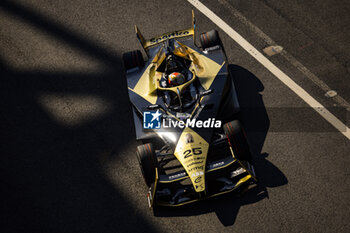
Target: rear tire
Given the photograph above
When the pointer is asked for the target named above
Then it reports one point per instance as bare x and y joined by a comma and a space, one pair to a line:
237, 140
148, 162
210, 39
133, 59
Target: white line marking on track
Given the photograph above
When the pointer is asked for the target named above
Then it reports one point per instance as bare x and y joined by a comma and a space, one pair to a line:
311, 76
319, 108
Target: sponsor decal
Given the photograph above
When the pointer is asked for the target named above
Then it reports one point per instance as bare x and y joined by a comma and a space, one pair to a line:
238, 172
198, 179
189, 138
177, 175
217, 164
211, 49
194, 151
182, 115
196, 160
197, 174
195, 168
169, 36
194, 163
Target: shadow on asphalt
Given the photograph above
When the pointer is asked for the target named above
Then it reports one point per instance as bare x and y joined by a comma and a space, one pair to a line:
256, 122
50, 173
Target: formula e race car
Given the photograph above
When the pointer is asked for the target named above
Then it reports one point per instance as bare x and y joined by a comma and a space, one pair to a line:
185, 109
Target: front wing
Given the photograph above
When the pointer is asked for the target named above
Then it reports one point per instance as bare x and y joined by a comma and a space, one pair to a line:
222, 176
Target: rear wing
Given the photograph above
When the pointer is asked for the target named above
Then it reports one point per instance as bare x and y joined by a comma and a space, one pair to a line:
176, 34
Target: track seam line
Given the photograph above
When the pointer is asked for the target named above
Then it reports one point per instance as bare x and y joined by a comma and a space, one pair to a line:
312, 102
316, 80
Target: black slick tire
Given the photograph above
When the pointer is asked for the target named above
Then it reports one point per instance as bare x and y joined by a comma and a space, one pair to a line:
237, 140
148, 162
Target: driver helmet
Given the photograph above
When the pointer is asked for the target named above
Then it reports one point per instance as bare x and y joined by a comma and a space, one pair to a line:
176, 79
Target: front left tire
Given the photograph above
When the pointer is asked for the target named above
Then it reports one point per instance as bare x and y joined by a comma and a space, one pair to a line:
148, 162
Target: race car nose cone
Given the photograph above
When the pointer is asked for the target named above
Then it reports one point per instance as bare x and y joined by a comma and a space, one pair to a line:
192, 151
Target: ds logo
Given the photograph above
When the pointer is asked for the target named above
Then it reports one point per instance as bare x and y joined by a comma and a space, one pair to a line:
151, 120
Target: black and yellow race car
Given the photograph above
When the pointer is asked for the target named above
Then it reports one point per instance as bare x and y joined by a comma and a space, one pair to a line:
185, 110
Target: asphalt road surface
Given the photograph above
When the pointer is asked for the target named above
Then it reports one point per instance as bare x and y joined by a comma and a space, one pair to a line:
67, 154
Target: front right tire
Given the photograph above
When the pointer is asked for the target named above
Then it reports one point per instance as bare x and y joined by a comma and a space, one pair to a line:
237, 140
209, 39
